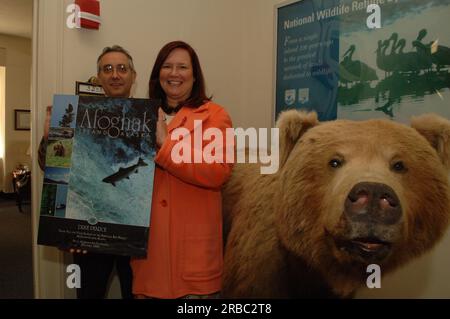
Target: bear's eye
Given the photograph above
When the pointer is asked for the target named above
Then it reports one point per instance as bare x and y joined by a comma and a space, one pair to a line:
399, 167
335, 163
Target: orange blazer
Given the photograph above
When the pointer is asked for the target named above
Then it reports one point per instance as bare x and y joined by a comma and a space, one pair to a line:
184, 254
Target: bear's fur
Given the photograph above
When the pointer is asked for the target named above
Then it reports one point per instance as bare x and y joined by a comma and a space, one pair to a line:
347, 194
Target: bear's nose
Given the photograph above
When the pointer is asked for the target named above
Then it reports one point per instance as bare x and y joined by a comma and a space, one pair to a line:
373, 202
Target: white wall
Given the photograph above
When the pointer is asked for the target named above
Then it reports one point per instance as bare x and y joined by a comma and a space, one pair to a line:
234, 40
425, 277
17, 55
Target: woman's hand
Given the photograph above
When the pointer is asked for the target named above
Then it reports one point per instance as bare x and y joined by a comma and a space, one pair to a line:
161, 128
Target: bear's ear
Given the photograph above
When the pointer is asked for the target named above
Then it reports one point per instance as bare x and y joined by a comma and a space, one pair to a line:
293, 124
436, 130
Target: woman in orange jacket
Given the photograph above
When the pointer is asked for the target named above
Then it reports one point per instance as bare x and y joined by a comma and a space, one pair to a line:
184, 256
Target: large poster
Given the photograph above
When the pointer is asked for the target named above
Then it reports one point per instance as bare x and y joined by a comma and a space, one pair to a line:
363, 59
99, 174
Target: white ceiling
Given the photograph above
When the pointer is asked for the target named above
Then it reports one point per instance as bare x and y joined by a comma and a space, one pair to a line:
16, 17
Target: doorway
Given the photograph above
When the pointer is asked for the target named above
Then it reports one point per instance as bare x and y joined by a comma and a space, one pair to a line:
16, 265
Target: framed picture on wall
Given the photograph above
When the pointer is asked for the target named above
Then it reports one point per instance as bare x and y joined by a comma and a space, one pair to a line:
22, 120
86, 88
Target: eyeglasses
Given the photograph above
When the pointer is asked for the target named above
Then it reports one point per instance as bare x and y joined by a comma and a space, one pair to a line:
120, 68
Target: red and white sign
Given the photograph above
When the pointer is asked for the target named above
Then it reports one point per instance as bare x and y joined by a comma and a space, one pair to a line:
89, 14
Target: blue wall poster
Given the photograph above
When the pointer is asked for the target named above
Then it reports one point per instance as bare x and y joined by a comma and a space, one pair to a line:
345, 61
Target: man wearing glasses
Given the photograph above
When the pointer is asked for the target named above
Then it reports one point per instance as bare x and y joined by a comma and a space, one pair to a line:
116, 74
115, 71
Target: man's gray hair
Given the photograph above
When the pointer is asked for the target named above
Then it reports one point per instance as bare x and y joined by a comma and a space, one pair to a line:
115, 48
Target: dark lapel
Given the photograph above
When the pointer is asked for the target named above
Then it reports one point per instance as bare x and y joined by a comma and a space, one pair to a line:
186, 117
